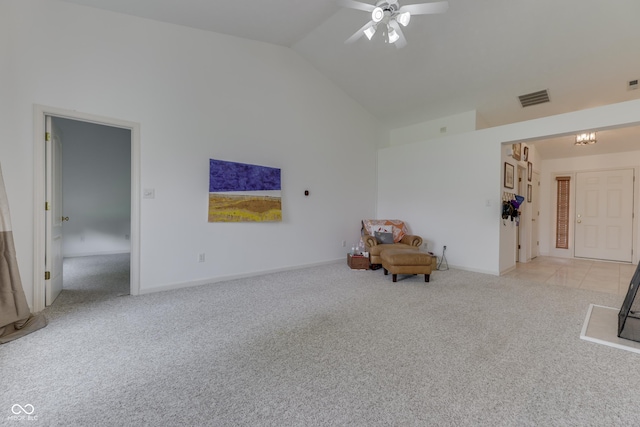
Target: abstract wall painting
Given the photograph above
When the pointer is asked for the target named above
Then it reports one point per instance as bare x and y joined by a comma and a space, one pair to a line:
240, 192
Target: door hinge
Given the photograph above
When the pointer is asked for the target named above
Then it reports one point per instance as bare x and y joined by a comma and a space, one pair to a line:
47, 136
47, 275
47, 206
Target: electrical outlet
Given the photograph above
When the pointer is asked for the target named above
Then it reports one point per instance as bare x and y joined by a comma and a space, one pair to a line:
344, 243
200, 257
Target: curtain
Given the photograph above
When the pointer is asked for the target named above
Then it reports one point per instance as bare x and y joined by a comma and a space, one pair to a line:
16, 319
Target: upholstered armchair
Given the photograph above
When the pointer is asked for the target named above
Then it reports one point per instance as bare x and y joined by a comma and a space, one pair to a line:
398, 229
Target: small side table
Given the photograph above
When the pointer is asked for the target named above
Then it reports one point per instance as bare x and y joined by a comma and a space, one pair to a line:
358, 262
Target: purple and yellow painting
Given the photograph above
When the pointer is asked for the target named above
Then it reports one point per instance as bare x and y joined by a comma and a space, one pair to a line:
240, 192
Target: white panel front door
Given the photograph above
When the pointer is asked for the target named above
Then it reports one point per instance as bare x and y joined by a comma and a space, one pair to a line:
604, 215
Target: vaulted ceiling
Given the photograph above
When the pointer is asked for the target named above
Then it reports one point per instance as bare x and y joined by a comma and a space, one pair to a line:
479, 55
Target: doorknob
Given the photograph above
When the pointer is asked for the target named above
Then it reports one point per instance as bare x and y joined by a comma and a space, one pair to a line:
579, 221
65, 218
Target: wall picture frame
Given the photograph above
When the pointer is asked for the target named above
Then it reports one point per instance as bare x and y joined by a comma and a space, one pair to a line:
529, 191
516, 151
529, 171
241, 192
509, 170
525, 154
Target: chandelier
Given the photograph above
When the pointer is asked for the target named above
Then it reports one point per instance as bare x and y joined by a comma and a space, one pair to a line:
586, 138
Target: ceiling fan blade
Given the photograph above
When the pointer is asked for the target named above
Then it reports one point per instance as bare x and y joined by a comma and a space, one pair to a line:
425, 8
352, 4
359, 33
402, 41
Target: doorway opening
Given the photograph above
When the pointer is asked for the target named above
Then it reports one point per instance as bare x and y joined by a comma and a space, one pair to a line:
97, 208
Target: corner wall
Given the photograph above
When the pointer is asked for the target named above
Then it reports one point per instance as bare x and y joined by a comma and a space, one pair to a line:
449, 189
196, 95
459, 123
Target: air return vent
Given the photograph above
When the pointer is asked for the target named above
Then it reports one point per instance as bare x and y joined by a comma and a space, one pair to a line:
534, 98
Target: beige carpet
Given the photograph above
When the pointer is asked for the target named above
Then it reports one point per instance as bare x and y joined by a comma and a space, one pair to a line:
322, 346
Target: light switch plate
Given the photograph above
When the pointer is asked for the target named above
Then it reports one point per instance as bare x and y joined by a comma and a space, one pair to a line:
149, 193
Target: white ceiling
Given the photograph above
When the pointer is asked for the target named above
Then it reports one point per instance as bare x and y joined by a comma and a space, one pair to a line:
479, 55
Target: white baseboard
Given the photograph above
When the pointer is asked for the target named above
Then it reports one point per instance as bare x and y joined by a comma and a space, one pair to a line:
473, 270
508, 270
211, 280
81, 254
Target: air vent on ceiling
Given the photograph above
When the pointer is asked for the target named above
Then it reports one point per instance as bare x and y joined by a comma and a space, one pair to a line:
534, 98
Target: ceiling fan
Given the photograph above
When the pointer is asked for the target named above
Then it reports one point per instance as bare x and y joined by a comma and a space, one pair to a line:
388, 15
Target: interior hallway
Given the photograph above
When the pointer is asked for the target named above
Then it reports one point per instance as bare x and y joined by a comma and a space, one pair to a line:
593, 275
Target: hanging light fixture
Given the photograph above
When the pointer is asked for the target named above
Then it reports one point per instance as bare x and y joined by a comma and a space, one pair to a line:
403, 18
586, 138
377, 14
369, 32
393, 35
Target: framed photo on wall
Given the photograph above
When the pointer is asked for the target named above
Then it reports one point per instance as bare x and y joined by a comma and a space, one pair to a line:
529, 171
516, 151
508, 175
525, 154
529, 191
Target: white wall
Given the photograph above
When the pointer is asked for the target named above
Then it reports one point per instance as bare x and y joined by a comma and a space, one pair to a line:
196, 95
458, 123
569, 167
510, 229
96, 187
449, 189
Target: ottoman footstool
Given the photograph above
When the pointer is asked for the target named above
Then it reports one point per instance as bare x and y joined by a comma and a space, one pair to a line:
402, 261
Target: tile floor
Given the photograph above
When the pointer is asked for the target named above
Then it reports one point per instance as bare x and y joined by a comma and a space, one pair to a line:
577, 273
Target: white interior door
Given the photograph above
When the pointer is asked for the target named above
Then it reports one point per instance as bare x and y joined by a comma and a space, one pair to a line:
520, 226
535, 214
604, 215
53, 235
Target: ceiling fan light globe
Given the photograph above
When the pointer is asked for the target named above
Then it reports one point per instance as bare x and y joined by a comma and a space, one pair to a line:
377, 14
404, 18
393, 36
369, 32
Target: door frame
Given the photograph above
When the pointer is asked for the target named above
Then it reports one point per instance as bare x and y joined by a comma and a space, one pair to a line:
39, 230
522, 239
534, 208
